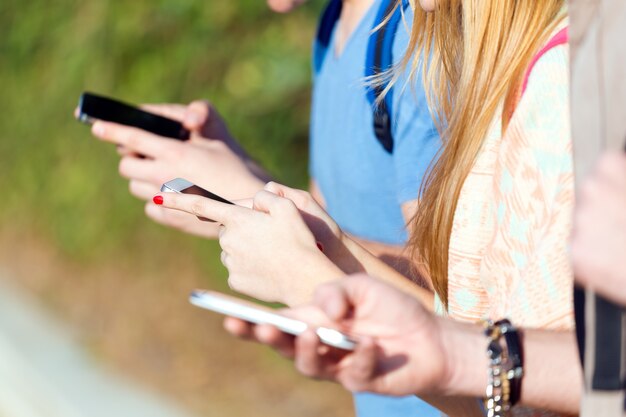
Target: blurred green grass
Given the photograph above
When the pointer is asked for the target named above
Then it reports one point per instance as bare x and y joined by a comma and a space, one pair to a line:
61, 185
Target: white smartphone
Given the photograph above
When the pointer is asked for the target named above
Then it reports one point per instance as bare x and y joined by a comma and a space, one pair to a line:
257, 314
181, 185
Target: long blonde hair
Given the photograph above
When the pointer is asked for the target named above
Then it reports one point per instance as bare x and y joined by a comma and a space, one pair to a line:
478, 53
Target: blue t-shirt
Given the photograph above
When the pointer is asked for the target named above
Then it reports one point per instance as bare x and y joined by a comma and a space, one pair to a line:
362, 184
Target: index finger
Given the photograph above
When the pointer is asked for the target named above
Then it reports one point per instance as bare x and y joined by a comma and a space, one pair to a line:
202, 207
137, 140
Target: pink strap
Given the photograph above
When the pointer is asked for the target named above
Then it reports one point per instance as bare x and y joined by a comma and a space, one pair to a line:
562, 37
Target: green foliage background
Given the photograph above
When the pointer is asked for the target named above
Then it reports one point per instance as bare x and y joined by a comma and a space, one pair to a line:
60, 184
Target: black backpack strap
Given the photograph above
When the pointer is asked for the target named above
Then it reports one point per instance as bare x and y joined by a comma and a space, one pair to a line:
380, 59
608, 366
324, 32
604, 358
579, 315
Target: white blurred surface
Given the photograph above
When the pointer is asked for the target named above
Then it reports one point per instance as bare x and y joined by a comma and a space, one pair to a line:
45, 373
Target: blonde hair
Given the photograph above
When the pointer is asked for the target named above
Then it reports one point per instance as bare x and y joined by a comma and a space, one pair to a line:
478, 52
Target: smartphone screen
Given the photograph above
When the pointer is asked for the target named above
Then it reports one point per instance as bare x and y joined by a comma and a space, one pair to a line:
194, 189
92, 107
181, 185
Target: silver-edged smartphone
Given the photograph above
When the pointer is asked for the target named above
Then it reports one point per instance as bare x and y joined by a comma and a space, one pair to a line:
257, 314
92, 107
182, 186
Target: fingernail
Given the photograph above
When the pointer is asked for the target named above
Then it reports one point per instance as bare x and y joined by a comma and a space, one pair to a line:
98, 129
320, 246
158, 200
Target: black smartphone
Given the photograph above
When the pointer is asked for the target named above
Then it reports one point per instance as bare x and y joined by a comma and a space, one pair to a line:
92, 107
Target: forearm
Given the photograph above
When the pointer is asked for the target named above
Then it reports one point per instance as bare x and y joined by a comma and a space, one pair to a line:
376, 267
386, 262
552, 378
313, 271
247, 182
553, 373
397, 257
259, 173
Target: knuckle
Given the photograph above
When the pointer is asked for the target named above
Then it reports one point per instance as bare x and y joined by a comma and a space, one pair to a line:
197, 207
350, 384
200, 107
234, 283
123, 168
226, 242
131, 139
270, 186
200, 103
133, 188
258, 196
284, 204
303, 368
157, 178
304, 194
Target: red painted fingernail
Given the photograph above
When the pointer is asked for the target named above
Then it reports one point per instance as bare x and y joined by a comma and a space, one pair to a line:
320, 246
158, 200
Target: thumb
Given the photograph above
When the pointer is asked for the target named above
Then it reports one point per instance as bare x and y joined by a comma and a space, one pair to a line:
333, 300
268, 202
245, 202
340, 298
197, 114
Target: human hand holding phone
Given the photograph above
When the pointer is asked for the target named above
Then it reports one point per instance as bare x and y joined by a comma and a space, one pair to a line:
93, 107
256, 314
402, 348
182, 186
263, 248
210, 158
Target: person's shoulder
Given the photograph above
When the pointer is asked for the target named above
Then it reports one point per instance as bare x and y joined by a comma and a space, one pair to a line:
550, 66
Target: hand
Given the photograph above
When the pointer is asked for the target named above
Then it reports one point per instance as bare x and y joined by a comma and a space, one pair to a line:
210, 156
269, 251
329, 237
400, 349
599, 239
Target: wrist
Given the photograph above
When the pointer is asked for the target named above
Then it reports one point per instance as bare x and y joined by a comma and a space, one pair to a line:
464, 346
257, 170
314, 269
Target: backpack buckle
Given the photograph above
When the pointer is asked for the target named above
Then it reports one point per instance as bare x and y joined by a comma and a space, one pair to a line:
382, 127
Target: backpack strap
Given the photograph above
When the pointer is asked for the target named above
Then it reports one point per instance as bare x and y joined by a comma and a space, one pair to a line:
325, 31
561, 38
379, 60
604, 354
